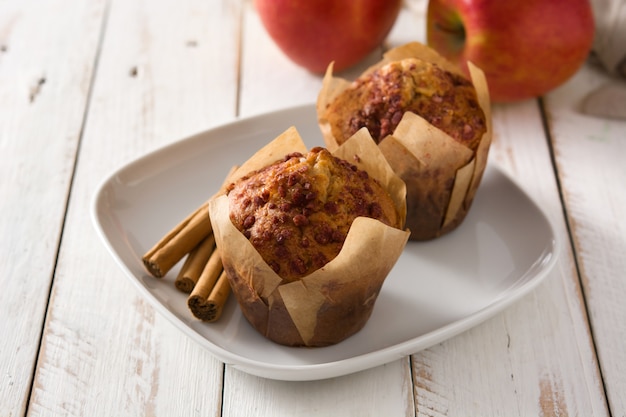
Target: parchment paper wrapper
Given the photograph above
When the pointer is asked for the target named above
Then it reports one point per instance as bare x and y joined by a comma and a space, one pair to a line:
441, 175
335, 301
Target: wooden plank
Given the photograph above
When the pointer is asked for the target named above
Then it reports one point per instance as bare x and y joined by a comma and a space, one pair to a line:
269, 82
535, 358
42, 53
105, 351
382, 391
589, 154
507, 365
458, 377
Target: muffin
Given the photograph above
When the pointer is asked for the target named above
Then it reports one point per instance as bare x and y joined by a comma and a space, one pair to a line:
378, 100
297, 211
431, 123
307, 240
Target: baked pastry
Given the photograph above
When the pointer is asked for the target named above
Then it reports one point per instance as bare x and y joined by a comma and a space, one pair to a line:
307, 242
297, 211
378, 100
431, 122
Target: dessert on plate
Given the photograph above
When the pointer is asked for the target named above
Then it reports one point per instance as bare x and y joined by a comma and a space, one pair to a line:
307, 237
432, 124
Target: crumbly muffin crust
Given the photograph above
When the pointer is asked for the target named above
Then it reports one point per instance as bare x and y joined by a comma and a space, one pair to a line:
297, 212
379, 99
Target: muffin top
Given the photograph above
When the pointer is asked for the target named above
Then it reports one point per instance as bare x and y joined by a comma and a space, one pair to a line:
379, 99
297, 211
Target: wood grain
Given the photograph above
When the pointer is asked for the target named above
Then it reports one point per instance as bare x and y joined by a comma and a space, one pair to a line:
589, 153
535, 358
105, 351
39, 135
381, 391
507, 365
384, 390
104, 82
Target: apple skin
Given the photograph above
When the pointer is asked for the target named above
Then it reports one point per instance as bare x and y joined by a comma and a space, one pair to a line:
525, 47
313, 33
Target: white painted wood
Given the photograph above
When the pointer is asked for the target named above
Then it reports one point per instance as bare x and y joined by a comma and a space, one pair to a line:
381, 391
535, 358
269, 82
167, 69
43, 100
590, 155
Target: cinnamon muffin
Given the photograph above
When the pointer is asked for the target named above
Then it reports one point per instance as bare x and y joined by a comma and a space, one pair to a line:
308, 240
378, 100
297, 212
432, 124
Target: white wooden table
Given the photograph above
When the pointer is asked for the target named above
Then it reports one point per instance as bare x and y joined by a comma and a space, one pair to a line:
87, 86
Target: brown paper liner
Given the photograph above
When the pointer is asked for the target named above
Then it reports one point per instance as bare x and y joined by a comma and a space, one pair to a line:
441, 175
335, 301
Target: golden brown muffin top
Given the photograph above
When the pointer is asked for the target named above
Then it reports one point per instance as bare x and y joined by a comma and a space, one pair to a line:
379, 99
297, 212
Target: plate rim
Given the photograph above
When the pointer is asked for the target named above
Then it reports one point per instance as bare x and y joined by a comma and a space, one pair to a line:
335, 368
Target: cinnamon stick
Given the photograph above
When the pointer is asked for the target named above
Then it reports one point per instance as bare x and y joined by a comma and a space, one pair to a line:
194, 264
211, 275
181, 240
209, 308
217, 299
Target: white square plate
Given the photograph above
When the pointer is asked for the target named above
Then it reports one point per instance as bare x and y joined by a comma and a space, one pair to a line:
505, 247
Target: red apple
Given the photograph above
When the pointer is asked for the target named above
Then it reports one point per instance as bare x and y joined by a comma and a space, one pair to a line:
525, 47
312, 33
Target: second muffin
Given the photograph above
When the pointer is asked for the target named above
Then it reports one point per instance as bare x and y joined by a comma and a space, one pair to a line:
431, 123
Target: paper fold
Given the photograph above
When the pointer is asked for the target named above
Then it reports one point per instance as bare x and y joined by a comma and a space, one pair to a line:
441, 175
335, 301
